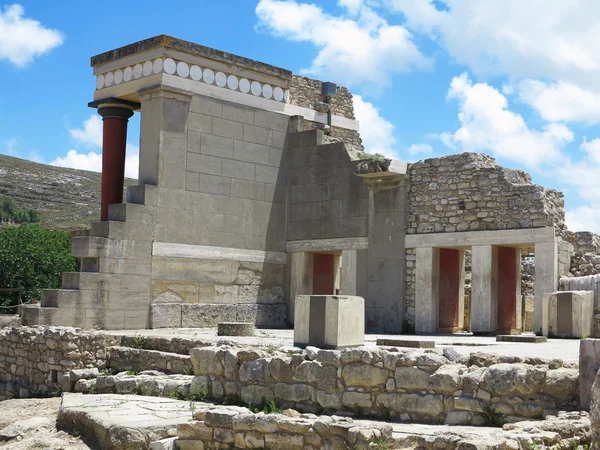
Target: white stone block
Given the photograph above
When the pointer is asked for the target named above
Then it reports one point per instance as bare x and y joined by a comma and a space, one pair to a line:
326, 321
570, 313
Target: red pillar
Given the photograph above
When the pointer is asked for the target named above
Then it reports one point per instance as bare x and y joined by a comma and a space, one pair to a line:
114, 142
507, 289
449, 290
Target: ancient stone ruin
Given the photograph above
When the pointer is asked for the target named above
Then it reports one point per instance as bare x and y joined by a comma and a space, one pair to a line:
257, 208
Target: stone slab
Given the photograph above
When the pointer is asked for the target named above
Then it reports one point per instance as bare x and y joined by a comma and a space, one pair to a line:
115, 420
532, 339
406, 343
235, 329
589, 364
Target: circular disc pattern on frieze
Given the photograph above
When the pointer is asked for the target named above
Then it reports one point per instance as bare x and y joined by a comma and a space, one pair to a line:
184, 70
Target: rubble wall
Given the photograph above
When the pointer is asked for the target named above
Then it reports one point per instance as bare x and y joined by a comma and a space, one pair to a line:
471, 191
406, 385
32, 360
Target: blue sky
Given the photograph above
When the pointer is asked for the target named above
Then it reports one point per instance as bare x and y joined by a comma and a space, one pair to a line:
517, 80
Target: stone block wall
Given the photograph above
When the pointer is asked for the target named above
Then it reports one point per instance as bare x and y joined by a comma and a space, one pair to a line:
471, 191
235, 427
406, 385
588, 283
325, 198
33, 359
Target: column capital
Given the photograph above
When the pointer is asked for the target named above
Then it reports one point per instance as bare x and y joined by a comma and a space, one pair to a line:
115, 108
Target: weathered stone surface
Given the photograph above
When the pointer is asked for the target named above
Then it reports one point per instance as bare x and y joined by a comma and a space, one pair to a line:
589, 363
411, 378
148, 418
21, 427
206, 361
364, 375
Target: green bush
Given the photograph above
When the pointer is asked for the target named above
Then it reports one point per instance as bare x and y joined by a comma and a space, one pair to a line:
33, 258
10, 213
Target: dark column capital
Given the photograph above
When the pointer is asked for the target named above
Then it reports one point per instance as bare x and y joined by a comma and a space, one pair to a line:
115, 108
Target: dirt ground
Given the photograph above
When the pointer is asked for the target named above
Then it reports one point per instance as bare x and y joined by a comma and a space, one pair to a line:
45, 436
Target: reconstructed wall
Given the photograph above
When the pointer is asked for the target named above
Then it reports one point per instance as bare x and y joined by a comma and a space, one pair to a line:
220, 185
32, 360
409, 385
472, 192
325, 198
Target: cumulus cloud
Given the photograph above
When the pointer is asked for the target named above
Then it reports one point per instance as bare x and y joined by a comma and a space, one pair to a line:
488, 125
561, 101
376, 132
22, 39
90, 135
365, 49
10, 147
92, 161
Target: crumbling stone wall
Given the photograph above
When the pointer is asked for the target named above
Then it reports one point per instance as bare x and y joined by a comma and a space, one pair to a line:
306, 92
229, 426
471, 191
585, 258
32, 360
405, 384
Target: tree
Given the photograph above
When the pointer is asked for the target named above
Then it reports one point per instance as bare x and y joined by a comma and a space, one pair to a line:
34, 258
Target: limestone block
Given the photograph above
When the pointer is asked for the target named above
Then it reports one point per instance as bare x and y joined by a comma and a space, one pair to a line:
329, 321
411, 378
165, 315
206, 315
293, 392
235, 329
589, 363
206, 361
354, 399
255, 394
447, 379
364, 375
570, 313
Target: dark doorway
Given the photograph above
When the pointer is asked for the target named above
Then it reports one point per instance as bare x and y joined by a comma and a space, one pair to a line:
323, 273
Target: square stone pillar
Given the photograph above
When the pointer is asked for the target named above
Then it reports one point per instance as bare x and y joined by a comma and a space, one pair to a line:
354, 272
451, 290
300, 279
509, 290
546, 280
484, 288
427, 290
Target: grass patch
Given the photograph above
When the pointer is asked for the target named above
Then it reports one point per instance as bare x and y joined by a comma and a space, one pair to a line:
491, 417
137, 341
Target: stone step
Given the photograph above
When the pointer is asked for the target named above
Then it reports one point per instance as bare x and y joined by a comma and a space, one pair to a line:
130, 212
91, 281
123, 359
111, 229
167, 344
143, 194
101, 247
36, 315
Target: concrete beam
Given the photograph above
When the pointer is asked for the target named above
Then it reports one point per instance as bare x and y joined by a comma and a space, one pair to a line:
515, 238
484, 288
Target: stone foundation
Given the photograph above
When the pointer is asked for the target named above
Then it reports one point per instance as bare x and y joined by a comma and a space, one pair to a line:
406, 385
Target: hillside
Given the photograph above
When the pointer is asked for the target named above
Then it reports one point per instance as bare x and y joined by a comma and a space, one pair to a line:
64, 198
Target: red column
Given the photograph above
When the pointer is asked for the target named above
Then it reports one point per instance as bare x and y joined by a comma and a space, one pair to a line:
323, 274
114, 142
507, 289
449, 290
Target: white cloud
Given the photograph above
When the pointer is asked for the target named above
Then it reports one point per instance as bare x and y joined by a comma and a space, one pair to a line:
421, 15
92, 161
22, 39
91, 134
376, 132
488, 125
583, 218
561, 101
352, 51
420, 149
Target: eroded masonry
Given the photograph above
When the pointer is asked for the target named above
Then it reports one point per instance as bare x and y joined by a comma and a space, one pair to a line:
254, 189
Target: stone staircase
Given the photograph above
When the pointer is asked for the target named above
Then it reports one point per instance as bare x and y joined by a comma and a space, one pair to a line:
112, 290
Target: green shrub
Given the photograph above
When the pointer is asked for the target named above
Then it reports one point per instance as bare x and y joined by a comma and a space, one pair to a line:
34, 258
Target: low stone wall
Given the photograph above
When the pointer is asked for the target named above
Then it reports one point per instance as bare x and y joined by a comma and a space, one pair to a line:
235, 427
403, 384
33, 359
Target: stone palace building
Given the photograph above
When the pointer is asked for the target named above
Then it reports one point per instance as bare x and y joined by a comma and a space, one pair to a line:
254, 188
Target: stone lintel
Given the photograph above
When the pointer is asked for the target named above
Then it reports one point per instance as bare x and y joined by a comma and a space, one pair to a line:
115, 102
524, 237
324, 245
169, 42
166, 249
